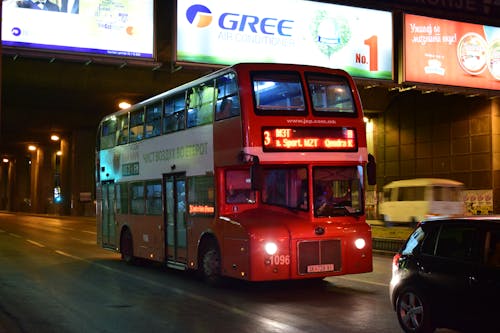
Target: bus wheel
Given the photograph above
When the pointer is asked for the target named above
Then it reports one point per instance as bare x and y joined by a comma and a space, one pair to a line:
127, 247
211, 264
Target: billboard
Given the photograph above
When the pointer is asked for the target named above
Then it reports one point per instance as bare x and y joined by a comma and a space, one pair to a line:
225, 32
451, 53
120, 28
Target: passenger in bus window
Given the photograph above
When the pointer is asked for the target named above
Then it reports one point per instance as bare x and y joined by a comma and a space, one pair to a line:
225, 109
38, 4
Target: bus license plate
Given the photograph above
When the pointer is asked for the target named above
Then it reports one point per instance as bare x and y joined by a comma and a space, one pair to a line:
320, 268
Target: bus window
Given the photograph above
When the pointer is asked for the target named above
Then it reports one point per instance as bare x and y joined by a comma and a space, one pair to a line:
122, 198
153, 198
153, 120
173, 115
238, 187
122, 136
201, 198
136, 125
137, 198
286, 187
108, 132
278, 92
228, 102
201, 105
331, 94
337, 191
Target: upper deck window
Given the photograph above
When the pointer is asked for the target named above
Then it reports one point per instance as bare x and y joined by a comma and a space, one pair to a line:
173, 115
108, 133
278, 93
228, 102
153, 120
331, 95
136, 125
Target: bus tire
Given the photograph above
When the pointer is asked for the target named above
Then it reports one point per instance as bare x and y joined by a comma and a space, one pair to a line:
210, 264
127, 246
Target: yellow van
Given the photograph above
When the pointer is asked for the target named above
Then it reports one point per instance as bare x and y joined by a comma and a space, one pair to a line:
412, 200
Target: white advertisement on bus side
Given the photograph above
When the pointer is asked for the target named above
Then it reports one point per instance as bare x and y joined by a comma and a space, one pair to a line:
225, 32
184, 151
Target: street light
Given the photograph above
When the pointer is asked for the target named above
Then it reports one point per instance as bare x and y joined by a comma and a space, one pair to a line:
32, 148
124, 105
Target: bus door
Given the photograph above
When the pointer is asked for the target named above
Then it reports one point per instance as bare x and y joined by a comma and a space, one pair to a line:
108, 215
174, 203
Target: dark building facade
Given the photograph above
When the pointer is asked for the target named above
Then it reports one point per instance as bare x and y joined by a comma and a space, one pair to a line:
414, 130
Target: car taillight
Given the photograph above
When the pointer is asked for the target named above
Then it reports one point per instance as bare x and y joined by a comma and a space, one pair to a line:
395, 260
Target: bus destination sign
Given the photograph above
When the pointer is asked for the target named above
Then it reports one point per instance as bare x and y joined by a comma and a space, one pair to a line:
309, 139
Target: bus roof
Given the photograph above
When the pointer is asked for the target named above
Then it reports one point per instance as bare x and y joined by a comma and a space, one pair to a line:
424, 182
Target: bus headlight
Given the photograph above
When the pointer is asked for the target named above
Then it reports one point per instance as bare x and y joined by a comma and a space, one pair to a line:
271, 248
360, 243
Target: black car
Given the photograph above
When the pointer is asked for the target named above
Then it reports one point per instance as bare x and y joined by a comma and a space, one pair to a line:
447, 275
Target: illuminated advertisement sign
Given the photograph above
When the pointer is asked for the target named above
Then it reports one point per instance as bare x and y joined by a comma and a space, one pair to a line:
120, 28
451, 53
226, 32
309, 139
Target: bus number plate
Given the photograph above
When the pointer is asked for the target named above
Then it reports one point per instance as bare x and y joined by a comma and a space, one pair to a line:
320, 268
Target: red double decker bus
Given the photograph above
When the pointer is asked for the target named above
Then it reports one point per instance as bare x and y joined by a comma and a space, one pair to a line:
255, 172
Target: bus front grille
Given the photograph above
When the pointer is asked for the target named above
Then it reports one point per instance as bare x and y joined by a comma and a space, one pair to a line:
319, 256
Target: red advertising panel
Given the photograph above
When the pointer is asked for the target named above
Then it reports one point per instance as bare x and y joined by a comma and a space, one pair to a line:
451, 53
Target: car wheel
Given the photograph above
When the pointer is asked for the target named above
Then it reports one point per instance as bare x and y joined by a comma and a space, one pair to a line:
413, 312
211, 264
387, 221
127, 247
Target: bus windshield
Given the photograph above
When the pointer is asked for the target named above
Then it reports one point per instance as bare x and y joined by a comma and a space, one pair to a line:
330, 94
337, 191
286, 187
278, 92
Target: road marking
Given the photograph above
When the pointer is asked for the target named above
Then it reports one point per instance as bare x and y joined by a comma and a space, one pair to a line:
275, 325
15, 235
35, 243
90, 232
70, 256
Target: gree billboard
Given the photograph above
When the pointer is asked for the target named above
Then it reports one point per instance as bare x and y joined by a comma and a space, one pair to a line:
225, 32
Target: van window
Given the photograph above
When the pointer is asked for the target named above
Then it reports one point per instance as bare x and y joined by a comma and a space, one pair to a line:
412, 193
441, 193
387, 194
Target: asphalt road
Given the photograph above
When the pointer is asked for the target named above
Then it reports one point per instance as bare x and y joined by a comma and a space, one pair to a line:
54, 278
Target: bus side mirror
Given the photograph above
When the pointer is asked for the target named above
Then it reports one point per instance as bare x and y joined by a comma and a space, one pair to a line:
256, 174
371, 170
